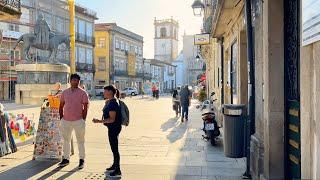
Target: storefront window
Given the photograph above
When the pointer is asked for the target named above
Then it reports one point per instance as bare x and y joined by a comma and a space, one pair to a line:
58, 77
21, 78
36, 78
233, 73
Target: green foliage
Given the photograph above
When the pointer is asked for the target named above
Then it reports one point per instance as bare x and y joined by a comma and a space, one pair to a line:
202, 95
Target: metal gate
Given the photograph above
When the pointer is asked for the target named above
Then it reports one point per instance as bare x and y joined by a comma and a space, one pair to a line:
292, 89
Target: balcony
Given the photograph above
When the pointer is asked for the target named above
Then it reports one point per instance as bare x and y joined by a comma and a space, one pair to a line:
84, 67
121, 73
139, 75
10, 9
85, 39
147, 76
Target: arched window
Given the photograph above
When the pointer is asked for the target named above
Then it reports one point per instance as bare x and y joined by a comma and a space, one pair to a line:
163, 32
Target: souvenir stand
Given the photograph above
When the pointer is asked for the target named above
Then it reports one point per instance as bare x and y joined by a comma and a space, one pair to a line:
48, 144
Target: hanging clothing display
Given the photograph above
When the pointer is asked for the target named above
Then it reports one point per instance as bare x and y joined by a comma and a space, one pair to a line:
7, 143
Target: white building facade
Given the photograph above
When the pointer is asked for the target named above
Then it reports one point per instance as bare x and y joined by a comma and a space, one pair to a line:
166, 39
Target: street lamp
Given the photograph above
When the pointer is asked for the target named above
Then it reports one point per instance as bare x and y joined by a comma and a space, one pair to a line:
198, 7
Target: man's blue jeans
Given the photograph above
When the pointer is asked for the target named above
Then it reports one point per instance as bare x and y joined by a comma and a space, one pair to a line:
185, 111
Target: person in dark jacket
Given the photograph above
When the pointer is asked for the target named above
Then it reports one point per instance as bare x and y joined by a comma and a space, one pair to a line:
112, 119
185, 98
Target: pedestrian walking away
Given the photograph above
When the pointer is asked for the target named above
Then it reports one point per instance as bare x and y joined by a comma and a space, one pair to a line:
74, 103
112, 119
185, 98
176, 102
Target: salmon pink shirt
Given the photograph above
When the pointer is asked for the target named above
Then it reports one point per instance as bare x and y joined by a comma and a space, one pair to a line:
74, 100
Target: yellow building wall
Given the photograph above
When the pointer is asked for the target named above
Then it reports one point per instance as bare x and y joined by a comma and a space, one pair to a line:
102, 52
132, 64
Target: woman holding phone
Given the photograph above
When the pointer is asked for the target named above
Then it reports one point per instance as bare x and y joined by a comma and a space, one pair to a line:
112, 119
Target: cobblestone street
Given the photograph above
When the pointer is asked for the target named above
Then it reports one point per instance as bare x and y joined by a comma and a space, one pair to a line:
154, 146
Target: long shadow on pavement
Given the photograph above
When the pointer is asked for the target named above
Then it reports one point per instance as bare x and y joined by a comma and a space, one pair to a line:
68, 174
26, 170
54, 171
169, 124
177, 133
176, 127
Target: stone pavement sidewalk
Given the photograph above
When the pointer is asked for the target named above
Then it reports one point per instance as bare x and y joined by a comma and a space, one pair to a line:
154, 146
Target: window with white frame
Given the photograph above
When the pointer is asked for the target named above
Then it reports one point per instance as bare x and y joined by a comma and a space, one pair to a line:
127, 47
82, 28
82, 55
122, 45
136, 49
89, 31
102, 42
117, 44
89, 56
77, 54
140, 51
60, 25
102, 64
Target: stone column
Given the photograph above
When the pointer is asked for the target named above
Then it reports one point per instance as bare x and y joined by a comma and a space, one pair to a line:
273, 57
306, 89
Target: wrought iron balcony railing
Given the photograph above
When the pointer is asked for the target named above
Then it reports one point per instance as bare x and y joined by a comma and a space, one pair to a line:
121, 73
10, 8
147, 76
84, 67
85, 38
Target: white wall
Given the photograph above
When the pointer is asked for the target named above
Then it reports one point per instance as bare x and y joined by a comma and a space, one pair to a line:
310, 112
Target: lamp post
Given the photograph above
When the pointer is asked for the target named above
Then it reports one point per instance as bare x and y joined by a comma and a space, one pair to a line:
197, 58
198, 7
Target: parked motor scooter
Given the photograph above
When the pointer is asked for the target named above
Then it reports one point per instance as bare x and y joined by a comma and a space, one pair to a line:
210, 124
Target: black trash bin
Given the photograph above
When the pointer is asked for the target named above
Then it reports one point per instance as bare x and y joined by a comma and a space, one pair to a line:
233, 130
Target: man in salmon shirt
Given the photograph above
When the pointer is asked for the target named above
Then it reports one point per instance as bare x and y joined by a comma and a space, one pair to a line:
73, 110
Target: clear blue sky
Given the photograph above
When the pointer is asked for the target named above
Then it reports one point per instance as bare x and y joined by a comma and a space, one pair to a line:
138, 16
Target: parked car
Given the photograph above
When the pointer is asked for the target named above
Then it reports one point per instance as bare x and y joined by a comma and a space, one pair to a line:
130, 91
99, 90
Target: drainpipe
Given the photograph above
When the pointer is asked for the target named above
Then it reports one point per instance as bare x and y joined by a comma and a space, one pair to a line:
221, 69
251, 84
72, 36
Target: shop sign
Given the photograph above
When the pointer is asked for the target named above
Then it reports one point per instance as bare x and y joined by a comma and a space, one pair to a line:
201, 39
